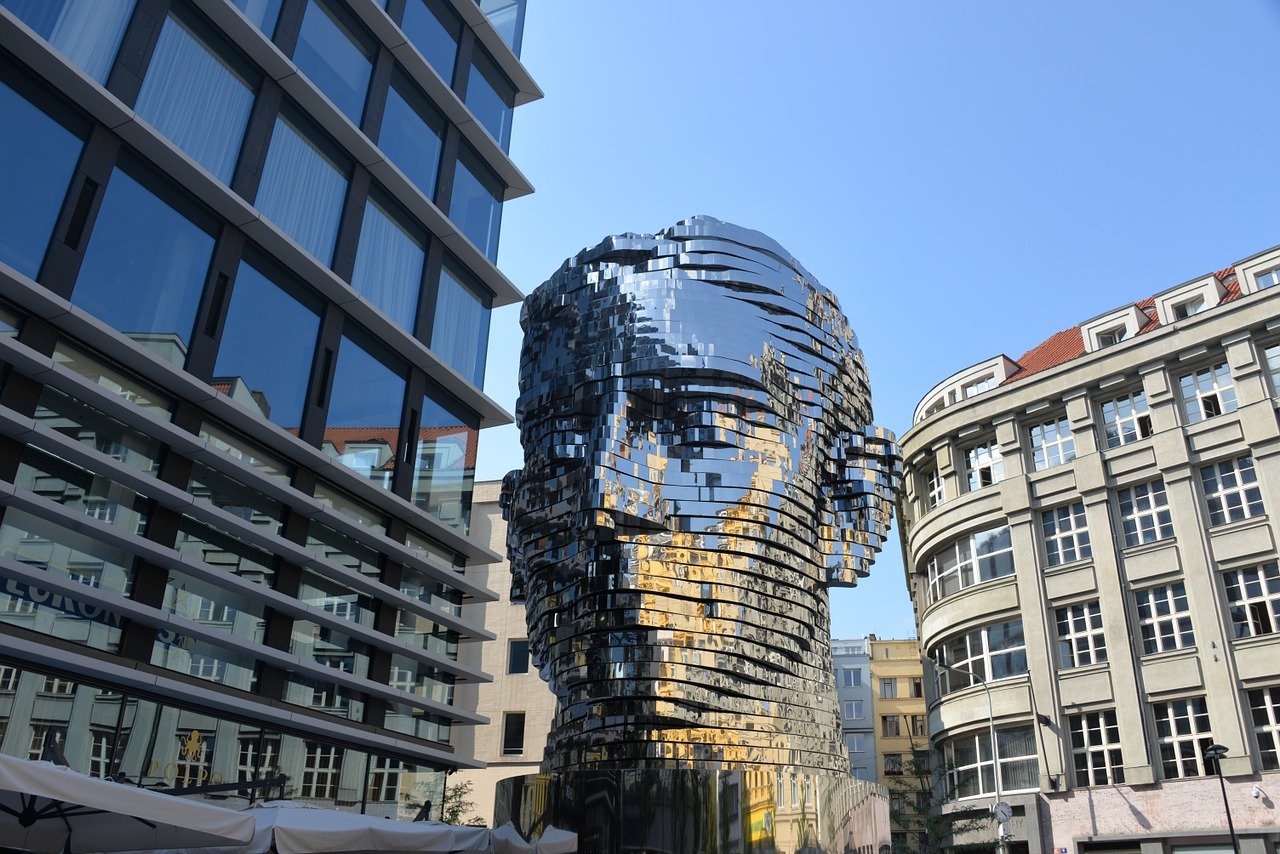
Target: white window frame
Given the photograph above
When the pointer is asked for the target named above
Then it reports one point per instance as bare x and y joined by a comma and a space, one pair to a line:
1126, 419
1066, 534
1271, 358
101, 744
384, 779
936, 488
984, 464
1144, 513
981, 771
208, 667
963, 562
39, 729
321, 771
1264, 705
1183, 732
1095, 749
980, 658
853, 710
8, 678
248, 761
1052, 444
856, 742
1231, 490
57, 685
1081, 638
1253, 599
1164, 618
851, 677
1207, 393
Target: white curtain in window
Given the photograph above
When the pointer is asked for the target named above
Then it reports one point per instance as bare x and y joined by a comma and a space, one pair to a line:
302, 191
89, 31
195, 99
461, 328
388, 269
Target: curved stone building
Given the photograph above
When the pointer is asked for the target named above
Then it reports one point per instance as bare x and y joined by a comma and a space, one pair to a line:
700, 467
1088, 529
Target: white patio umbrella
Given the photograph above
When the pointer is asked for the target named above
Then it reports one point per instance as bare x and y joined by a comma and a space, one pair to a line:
295, 828
48, 808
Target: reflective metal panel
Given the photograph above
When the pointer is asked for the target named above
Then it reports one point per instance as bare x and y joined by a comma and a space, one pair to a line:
700, 466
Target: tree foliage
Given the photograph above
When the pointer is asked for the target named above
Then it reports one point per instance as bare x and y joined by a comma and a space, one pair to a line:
918, 798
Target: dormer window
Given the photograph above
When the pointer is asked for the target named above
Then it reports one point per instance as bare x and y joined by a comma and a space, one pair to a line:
1113, 327
1115, 335
1183, 310
1269, 278
1189, 300
980, 385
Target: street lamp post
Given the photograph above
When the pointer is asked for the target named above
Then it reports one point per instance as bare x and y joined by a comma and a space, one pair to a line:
995, 753
1215, 752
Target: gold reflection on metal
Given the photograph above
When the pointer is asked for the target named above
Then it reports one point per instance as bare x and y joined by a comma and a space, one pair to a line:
700, 467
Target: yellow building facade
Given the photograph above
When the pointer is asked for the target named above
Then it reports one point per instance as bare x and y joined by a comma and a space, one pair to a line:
897, 685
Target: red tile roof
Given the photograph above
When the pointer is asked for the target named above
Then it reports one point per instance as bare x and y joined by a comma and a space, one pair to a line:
1062, 347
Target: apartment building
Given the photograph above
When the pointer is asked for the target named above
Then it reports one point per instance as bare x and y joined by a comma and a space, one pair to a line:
1090, 534
852, 662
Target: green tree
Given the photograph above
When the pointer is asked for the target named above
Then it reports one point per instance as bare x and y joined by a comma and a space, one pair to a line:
917, 801
457, 803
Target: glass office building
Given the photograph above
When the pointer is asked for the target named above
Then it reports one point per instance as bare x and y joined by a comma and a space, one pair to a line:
246, 269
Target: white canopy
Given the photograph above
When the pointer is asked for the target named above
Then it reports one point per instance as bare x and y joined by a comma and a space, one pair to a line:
507, 840
302, 829
39, 801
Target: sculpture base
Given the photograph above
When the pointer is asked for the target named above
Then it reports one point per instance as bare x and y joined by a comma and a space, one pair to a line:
761, 811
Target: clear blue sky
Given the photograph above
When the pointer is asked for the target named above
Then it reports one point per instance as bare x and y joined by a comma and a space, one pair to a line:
968, 177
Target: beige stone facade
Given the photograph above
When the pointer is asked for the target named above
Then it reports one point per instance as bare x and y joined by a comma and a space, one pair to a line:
509, 693
1092, 528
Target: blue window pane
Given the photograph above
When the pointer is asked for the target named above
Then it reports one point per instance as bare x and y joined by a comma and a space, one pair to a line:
412, 136
302, 190
196, 99
507, 17
268, 343
445, 466
491, 98
144, 269
261, 13
388, 269
37, 160
87, 32
333, 54
460, 330
476, 206
365, 405
433, 28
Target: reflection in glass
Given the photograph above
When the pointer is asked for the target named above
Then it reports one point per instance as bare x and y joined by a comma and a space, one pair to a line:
87, 32
363, 430
302, 190
268, 342
196, 99
117, 382
433, 28
144, 269
261, 13
491, 97
412, 135
507, 17
332, 53
388, 270
476, 205
37, 159
460, 329
445, 465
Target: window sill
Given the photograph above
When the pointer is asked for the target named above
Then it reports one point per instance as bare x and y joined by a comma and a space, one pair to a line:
1168, 654
1144, 548
1083, 669
1256, 640
1238, 525
1072, 566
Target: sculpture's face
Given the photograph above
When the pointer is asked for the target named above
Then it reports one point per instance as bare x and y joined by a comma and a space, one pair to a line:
696, 474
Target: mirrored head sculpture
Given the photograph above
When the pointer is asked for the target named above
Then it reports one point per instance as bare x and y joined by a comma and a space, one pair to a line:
700, 467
